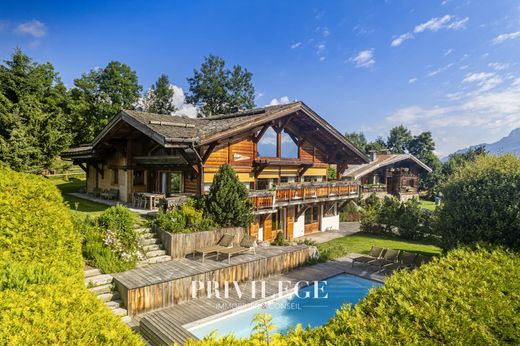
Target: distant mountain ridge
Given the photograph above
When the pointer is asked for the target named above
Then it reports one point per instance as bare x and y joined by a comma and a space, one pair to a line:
508, 144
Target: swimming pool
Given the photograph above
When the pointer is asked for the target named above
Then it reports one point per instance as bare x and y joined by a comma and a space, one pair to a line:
288, 311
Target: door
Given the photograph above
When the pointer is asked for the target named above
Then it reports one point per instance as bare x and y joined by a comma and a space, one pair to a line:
261, 230
171, 183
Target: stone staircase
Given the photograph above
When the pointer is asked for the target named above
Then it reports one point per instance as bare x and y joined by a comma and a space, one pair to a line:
103, 287
151, 249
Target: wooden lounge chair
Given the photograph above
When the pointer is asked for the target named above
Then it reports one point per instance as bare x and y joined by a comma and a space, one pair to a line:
247, 243
225, 241
406, 261
375, 253
389, 257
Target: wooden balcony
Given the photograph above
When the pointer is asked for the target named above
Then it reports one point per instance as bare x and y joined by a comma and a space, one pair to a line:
301, 193
371, 188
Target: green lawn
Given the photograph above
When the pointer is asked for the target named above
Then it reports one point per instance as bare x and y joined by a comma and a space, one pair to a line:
78, 206
362, 242
427, 204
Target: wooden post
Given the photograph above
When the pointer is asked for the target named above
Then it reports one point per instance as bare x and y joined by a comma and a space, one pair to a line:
279, 143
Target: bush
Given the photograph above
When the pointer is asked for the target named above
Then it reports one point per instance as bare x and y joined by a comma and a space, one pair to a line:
482, 203
279, 240
228, 200
185, 218
465, 298
43, 299
350, 213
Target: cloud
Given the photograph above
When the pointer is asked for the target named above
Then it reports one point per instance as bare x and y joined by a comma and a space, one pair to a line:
448, 51
498, 66
447, 22
399, 40
296, 45
179, 100
412, 80
506, 37
485, 80
365, 58
485, 115
325, 32
280, 101
322, 58
320, 49
34, 28
439, 70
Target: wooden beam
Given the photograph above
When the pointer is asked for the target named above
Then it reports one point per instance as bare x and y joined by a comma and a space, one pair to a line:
259, 169
294, 138
84, 168
99, 170
302, 170
260, 134
185, 156
282, 123
279, 144
208, 152
300, 210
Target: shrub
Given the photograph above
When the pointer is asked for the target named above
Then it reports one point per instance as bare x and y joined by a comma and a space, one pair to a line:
117, 224
228, 200
465, 298
279, 240
185, 218
350, 213
482, 203
43, 299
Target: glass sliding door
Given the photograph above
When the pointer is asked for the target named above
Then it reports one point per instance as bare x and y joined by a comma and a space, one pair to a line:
171, 183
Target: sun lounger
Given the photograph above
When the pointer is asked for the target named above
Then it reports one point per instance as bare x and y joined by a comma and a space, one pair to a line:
406, 261
389, 257
245, 245
225, 242
375, 253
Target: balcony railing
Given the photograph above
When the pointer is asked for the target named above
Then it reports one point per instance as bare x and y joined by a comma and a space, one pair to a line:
298, 192
373, 188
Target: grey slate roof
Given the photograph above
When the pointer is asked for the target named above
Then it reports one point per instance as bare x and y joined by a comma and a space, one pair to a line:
357, 171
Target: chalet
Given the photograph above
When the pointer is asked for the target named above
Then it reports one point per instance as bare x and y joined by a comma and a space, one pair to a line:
388, 174
280, 153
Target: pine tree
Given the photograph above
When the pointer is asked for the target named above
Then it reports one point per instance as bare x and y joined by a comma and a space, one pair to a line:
161, 94
228, 199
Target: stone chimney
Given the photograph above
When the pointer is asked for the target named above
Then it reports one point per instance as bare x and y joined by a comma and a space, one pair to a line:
372, 154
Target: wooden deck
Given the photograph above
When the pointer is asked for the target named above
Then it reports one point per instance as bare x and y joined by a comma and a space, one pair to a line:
168, 283
168, 326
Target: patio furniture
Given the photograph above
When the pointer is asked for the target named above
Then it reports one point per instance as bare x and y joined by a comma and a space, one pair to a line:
225, 241
421, 259
390, 256
375, 253
96, 192
406, 261
113, 194
247, 243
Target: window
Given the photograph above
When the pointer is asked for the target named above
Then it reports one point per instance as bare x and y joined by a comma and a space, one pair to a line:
138, 178
313, 178
267, 144
115, 176
311, 215
265, 184
276, 220
289, 148
287, 179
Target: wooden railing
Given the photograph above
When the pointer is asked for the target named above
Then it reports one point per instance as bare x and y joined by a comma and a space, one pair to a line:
373, 188
302, 192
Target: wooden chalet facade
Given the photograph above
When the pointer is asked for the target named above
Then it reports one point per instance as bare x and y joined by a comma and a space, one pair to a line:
177, 155
388, 174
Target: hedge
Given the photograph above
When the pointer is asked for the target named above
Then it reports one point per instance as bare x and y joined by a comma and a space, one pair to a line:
43, 299
469, 297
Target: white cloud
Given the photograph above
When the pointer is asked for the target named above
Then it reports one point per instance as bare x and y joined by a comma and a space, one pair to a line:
296, 45
439, 70
485, 115
34, 28
364, 58
448, 51
506, 37
178, 100
412, 80
485, 80
280, 101
447, 22
320, 49
498, 66
399, 40
325, 32
322, 58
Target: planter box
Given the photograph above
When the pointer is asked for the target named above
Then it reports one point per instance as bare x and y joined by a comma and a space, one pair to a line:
178, 245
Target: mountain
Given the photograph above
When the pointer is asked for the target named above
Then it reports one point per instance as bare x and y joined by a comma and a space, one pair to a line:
508, 144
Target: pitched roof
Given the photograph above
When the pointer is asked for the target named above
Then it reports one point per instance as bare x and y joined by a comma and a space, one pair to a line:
357, 171
170, 129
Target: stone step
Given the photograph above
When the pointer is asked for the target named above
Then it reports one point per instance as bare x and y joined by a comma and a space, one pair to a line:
159, 259
120, 312
114, 303
92, 272
152, 247
150, 241
126, 319
155, 253
112, 295
98, 290
146, 235
141, 230
98, 280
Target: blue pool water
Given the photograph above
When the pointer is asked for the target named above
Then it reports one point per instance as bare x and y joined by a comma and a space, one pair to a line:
288, 311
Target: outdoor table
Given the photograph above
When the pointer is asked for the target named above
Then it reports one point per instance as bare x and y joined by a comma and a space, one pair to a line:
151, 196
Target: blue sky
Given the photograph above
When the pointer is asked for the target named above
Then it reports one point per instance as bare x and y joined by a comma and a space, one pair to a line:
451, 67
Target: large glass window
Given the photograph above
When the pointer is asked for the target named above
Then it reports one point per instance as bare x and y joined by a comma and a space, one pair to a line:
267, 144
289, 148
311, 215
138, 177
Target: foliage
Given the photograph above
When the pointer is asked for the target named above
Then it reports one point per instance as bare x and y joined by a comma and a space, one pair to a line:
331, 173
263, 327
399, 139
32, 114
378, 145
185, 218
228, 200
404, 219
350, 213
358, 139
118, 225
159, 98
482, 203
98, 96
279, 240
43, 299
466, 297
218, 90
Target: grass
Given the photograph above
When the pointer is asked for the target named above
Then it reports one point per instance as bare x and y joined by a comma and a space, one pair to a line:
78, 206
427, 204
362, 242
